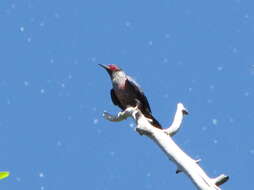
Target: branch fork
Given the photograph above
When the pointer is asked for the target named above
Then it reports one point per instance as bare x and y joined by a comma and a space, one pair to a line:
163, 138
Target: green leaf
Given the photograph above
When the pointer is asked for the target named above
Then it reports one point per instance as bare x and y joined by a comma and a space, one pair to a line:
4, 174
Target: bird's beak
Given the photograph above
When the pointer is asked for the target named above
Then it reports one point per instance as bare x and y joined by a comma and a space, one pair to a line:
104, 66
107, 69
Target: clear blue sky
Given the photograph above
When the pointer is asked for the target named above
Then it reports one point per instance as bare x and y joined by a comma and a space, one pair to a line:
52, 93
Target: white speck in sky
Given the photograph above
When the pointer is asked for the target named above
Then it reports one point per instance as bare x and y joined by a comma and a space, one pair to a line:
149, 174
69, 76
251, 151
214, 121
8, 101
246, 16
127, 23
56, 15
63, 85
167, 36
52, 60
131, 125
190, 89
215, 141
93, 59
150, 43
95, 121
42, 24
112, 153
219, 68
13, 6
193, 81
165, 60
42, 91
246, 94
29, 39
18, 179
209, 101
42, 188
26, 83
21, 29
234, 50
204, 128
211, 87
231, 120
41, 175
59, 143
69, 118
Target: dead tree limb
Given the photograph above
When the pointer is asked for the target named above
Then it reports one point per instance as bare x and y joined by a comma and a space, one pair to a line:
163, 138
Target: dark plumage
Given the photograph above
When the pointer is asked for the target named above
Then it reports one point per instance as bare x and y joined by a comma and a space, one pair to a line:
126, 92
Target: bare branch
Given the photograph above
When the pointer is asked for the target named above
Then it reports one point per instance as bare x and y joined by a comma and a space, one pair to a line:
163, 139
120, 116
175, 126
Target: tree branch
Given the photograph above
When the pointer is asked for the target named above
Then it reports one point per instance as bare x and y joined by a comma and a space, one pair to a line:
176, 125
120, 116
163, 139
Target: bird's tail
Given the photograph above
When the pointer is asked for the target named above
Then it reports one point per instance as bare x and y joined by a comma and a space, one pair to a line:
147, 113
154, 122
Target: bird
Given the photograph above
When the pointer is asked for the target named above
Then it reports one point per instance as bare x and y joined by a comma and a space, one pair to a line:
126, 92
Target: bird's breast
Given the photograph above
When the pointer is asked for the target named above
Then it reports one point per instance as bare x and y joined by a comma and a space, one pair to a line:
125, 97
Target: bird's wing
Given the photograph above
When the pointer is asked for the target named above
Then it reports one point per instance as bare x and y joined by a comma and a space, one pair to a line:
115, 99
141, 96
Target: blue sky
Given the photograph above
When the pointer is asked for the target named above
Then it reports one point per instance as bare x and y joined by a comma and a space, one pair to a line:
53, 93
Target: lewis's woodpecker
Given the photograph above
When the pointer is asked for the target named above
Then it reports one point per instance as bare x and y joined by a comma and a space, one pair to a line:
126, 92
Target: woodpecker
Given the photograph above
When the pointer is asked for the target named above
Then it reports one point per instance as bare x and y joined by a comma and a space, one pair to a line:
126, 92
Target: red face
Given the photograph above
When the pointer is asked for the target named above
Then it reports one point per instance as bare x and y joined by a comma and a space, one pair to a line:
113, 67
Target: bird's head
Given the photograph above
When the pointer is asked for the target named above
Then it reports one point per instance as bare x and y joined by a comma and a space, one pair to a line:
110, 68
